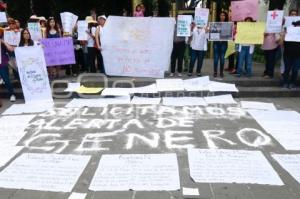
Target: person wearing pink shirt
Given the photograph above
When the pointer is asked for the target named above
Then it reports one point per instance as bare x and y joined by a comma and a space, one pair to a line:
138, 11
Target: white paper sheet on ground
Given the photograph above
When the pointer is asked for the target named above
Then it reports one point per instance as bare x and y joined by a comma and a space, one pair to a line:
197, 84
13, 129
222, 87
6, 154
231, 166
284, 126
17, 109
145, 172
220, 99
78, 103
44, 172
291, 163
72, 87
145, 89
116, 91
77, 196
169, 85
146, 100
118, 100
190, 191
258, 106
184, 101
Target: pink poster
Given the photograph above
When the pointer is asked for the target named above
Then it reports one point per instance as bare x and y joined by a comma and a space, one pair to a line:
243, 9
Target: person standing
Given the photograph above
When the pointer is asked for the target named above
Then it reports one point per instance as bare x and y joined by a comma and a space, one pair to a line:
91, 44
99, 31
220, 48
199, 47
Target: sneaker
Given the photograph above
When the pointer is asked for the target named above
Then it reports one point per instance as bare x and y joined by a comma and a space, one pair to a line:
215, 75
172, 75
12, 98
199, 74
189, 74
179, 75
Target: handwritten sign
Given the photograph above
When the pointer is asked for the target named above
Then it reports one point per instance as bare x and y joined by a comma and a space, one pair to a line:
293, 34
243, 9
12, 38
274, 21
184, 25
3, 18
33, 74
229, 166
130, 46
289, 20
68, 21
35, 31
58, 51
201, 16
145, 172
82, 28
246, 35
221, 31
44, 172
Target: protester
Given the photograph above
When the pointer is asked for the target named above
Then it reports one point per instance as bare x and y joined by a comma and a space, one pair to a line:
91, 43
291, 61
43, 23
199, 47
220, 48
99, 31
138, 11
26, 39
245, 56
4, 72
53, 31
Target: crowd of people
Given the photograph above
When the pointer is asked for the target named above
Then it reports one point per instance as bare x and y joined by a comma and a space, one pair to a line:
89, 58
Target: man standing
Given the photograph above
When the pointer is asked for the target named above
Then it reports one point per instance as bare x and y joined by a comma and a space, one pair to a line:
101, 22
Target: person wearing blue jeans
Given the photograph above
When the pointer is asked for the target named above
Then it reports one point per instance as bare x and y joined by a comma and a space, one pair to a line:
245, 56
220, 48
199, 56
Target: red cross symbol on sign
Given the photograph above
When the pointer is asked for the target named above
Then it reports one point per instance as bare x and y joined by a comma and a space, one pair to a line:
274, 15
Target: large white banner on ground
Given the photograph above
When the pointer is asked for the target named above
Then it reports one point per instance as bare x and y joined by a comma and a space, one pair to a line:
33, 74
137, 47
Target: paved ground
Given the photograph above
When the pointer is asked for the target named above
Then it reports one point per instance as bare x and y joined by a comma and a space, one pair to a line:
230, 119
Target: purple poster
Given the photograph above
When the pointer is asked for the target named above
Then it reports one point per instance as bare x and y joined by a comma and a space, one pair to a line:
58, 51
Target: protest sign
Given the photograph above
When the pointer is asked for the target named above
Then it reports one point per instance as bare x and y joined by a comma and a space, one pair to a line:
201, 16
274, 21
184, 25
35, 31
293, 34
33, 74
289, 20
59, 51
137, 47
3, 18
82, 28
230, 49
12, 38
221, 31
243, 9
247, 35
68, 21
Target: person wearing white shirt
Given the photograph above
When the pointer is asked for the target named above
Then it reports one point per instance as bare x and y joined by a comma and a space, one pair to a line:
199, 47
101, 23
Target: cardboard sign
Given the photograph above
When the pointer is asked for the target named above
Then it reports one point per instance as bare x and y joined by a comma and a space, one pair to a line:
243, 9
82, 27
221, 31
184, 25
201, 16
3, 18
35, 31
68, 21
12, 38
274, 21
247, 35
59, 51
293, 34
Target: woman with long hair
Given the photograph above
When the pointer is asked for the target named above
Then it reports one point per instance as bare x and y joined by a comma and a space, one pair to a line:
26, 38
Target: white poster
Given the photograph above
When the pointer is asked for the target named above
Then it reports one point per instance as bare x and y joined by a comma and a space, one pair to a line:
274, 21
12, 38
33, 74
137, 46
184, 25
288, 21
82, 27
291, 163
35, 31
68, 21
201, 16
145, 172
184, 101
169, 85
293, 34
231, 166
44, 172
3, 18
221, 31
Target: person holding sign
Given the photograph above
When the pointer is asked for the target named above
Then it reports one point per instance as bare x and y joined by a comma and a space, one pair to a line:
291, 61
26, 39
99, 31
199, 47
220, 48
245, 56
91, 43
